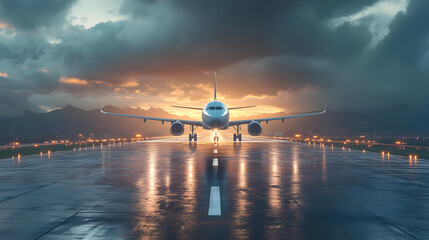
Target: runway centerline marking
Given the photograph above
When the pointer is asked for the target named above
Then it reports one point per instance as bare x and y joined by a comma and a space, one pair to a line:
214, 205
215, 151
215, 162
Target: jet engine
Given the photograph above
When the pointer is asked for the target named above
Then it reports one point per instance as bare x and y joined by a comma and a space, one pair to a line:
254, 128
177, 128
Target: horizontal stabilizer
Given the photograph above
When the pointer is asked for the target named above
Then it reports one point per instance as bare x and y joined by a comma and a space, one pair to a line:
194, 108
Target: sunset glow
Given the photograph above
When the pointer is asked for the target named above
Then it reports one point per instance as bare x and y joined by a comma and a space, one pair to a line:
3, 25
73, 81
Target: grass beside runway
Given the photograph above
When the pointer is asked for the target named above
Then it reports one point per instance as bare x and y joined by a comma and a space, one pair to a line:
9, 152
406, 151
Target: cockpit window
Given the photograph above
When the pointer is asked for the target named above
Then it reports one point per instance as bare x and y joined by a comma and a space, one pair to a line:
214, 108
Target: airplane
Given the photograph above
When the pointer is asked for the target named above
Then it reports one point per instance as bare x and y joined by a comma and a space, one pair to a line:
215, 116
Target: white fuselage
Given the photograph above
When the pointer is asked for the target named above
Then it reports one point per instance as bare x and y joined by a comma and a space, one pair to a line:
215, 115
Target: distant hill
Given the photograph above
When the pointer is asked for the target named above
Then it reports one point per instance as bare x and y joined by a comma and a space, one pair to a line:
68, 122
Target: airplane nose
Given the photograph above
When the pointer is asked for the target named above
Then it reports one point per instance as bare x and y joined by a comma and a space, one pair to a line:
217, 122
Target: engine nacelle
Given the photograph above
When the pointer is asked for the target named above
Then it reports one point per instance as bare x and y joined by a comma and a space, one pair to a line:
254, 128
177, 128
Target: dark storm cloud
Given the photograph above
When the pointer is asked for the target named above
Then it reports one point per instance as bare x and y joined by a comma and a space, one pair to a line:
187, 37
258, 48
394, 73
30, 15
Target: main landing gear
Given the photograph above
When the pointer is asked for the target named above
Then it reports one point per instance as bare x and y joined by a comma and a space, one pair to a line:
237, 136
192, 135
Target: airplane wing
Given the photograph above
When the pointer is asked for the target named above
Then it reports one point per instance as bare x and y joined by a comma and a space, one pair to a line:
187, 122
232, 108
193, 108
234, 123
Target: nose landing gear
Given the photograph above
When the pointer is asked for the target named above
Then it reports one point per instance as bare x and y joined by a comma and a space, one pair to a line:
237, 136
192, 135
216, 137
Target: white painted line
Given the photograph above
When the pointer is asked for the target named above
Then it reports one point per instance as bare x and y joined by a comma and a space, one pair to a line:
215, 151
214, 205
215, 162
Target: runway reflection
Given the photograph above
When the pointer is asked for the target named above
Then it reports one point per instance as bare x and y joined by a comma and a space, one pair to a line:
268, 190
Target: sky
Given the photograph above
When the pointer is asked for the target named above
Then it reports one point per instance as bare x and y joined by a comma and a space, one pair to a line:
283, 56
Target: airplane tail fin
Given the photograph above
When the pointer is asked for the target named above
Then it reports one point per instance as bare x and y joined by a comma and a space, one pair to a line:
215, 98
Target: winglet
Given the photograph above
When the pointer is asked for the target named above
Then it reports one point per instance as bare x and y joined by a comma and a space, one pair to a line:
215, 98
101, 110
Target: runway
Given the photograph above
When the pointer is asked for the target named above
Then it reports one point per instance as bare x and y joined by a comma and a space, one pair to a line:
166, 189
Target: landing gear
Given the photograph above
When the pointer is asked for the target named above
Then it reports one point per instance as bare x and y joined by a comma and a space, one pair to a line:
192, 135
237, 136
216, 137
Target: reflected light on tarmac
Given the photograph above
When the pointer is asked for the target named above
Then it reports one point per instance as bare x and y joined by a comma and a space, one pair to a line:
269, 189
274, 192
324, 165
295, 184
148, 191
241, 204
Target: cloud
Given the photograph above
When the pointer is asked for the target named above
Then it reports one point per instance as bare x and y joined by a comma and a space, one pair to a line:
74, 81
30, 15
358, 53
377, 16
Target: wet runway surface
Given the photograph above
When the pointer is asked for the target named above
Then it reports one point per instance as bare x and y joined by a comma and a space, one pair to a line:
167, 189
